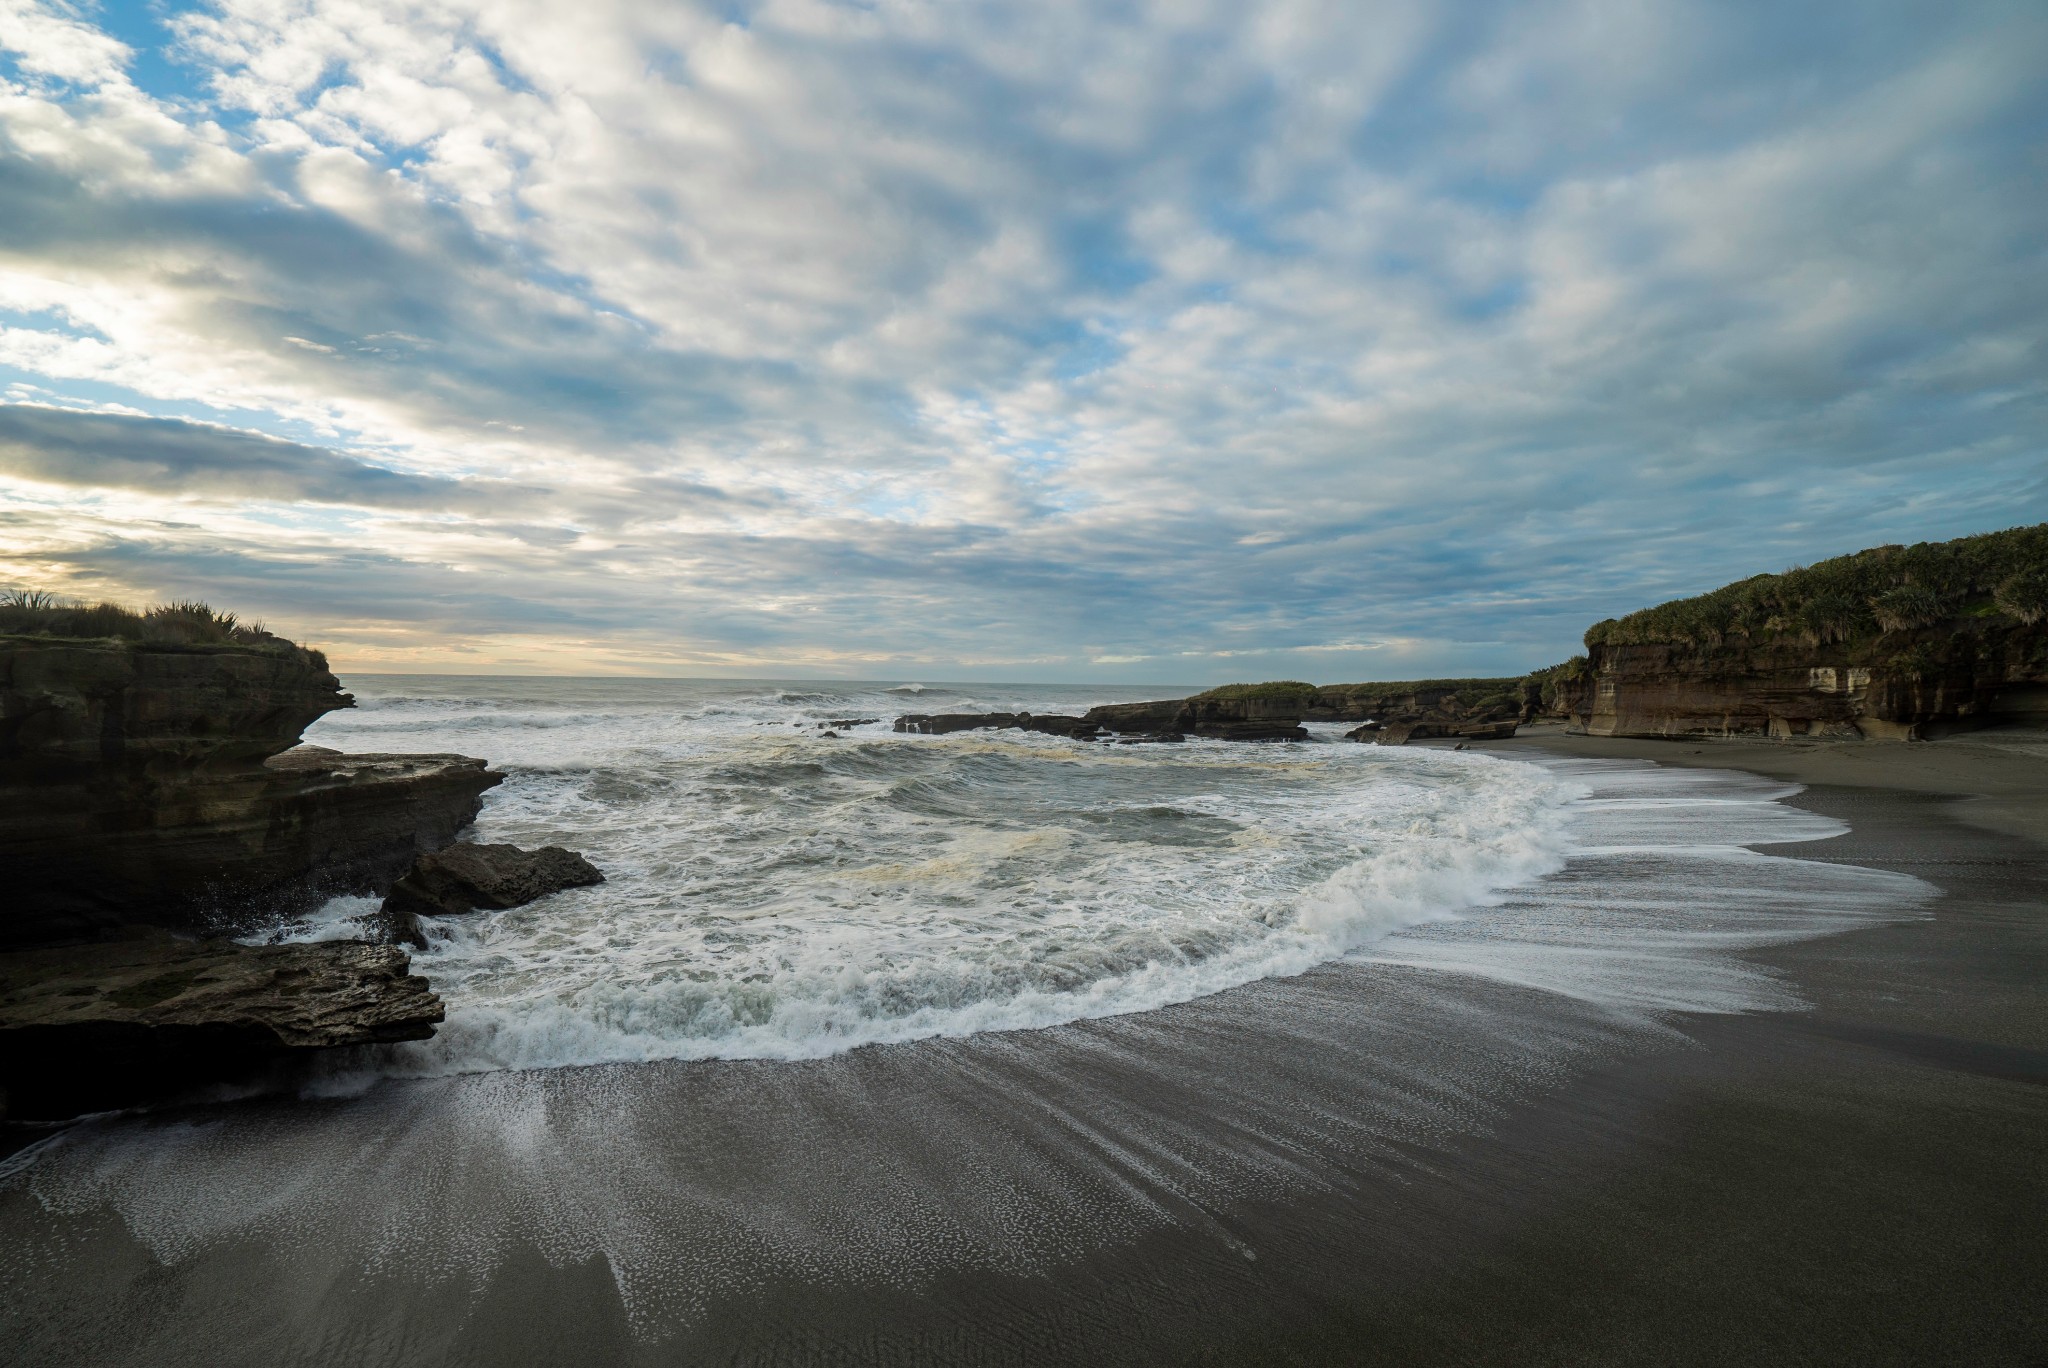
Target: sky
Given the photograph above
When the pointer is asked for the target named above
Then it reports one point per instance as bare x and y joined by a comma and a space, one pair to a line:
1124, 342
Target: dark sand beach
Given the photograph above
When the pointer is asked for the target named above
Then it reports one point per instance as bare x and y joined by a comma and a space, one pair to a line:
1860, 1183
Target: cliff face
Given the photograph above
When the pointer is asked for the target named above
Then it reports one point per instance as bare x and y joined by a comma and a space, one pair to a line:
1274, 711
1435, 701
1895, 686
146, 784
1887, 642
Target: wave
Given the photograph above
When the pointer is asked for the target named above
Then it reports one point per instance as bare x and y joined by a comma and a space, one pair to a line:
775, 895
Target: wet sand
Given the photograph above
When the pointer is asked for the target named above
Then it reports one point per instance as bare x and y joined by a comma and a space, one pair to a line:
1863, 1183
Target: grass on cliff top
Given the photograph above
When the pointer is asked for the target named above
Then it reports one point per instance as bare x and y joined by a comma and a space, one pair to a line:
1884, 589
33, 613
1273, 690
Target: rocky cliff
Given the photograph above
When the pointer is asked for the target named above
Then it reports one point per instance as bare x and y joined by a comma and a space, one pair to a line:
152, 793
154, 783
1892, 643
1275, 710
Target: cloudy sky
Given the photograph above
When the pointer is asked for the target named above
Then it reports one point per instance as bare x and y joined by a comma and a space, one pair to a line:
1160, 341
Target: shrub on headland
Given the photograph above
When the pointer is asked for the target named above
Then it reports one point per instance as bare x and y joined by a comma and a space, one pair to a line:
2024, 596
1272, 691
1885, 589
35, 613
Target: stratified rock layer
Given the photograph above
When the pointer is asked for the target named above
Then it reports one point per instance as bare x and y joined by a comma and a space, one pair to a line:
1894, 687
1222, 719
116, 1023
145, 784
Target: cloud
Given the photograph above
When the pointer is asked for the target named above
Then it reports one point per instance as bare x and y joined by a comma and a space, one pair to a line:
176, 456
1092, 334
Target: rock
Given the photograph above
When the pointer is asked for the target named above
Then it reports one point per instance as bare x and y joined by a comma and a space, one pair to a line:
118, 1023
467, 876
1166, 715
828, 736
1400, 731
1449, 700
850, 722
1889, 643
146, 784
942, 724
1897, 687
1219, 718
1252, 731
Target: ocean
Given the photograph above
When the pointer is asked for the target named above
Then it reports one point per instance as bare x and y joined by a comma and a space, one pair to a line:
856, 1018
776, 893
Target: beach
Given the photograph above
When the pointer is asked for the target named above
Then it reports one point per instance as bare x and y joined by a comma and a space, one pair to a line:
1377, 1162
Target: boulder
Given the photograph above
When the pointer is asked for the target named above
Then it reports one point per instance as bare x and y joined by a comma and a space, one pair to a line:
118, 1023
467, 876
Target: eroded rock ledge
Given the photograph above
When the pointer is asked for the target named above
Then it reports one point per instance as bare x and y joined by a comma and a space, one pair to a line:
141, 785
152, 793
115, 1023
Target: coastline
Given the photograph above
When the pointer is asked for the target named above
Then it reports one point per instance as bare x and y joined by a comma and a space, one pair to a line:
1996, 777
1858, 1183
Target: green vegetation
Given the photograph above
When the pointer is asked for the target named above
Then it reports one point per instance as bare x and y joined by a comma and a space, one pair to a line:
1885, 589
1408, 686
1277, 690
1551, 685
34, 613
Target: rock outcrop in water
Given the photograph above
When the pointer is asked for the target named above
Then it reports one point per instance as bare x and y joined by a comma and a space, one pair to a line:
158, 785
1050, 724
151, 783
467, 876
114, 1023
1275, 711
1261, 712
1400, 733
1889, 643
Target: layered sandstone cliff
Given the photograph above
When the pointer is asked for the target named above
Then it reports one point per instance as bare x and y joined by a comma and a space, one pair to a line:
152, 794
155, 784
1275, 710
1893, 643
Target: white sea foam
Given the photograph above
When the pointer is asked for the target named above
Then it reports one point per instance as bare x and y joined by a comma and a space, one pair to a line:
774, 894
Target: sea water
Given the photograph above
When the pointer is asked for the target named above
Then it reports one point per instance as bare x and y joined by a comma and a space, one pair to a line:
776, 892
